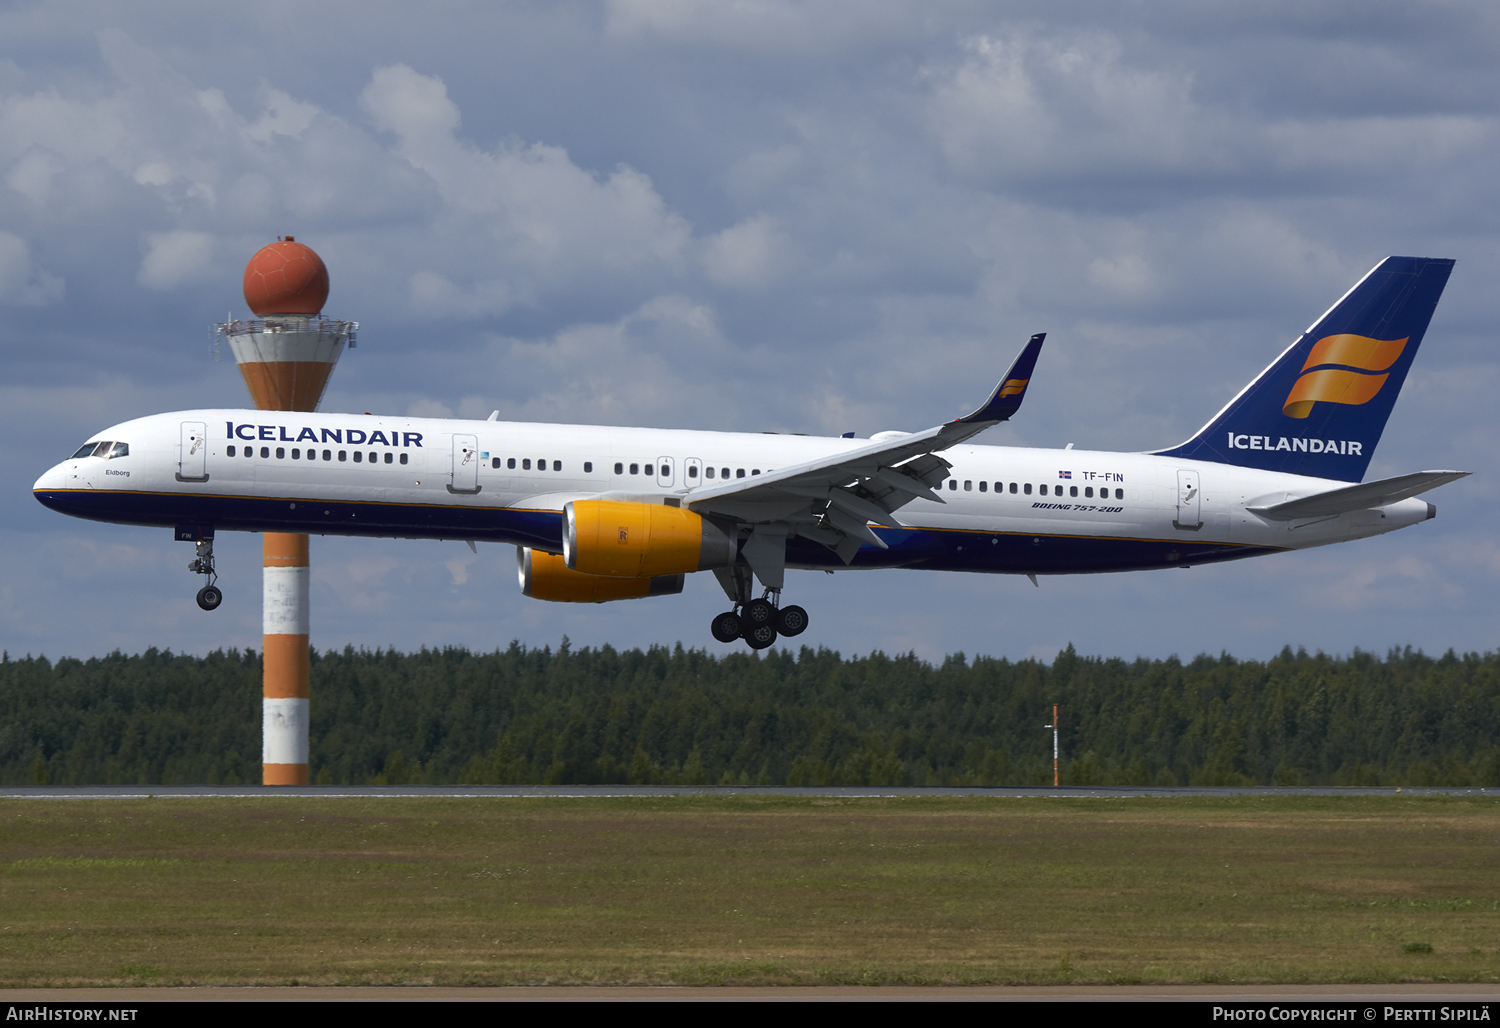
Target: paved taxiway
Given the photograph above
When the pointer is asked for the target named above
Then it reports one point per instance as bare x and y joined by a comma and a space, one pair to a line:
105, 792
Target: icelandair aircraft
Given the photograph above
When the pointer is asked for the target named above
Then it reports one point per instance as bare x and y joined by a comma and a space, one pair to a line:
599, 513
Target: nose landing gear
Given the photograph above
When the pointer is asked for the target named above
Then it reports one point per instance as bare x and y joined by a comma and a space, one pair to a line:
210, 596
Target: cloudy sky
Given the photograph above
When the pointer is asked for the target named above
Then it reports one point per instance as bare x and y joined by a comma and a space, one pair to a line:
748, 215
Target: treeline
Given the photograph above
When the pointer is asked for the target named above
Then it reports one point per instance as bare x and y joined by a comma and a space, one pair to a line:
602, 716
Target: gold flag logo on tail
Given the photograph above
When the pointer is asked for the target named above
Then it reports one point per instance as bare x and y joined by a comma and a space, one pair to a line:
1335, 385
1014, 386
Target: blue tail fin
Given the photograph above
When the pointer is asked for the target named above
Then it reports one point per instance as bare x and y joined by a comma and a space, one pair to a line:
1320, 408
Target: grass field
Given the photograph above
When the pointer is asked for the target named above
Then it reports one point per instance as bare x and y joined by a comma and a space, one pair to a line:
748, 890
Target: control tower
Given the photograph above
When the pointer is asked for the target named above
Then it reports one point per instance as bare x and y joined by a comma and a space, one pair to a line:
286, 354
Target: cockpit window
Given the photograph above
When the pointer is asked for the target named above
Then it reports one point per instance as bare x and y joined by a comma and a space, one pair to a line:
87, 449
120, 450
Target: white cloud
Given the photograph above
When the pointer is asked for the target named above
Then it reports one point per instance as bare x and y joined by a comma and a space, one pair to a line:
176, 258
529, 219
1025, 107
1044, 111
752, 254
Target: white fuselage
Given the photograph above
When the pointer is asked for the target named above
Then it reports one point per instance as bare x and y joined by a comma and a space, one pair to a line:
1006, 509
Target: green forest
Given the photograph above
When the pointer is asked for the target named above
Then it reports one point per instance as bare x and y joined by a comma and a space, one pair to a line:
685, 717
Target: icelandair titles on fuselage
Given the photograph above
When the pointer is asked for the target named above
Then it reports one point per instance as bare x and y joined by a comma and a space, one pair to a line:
1344, 447
351, 436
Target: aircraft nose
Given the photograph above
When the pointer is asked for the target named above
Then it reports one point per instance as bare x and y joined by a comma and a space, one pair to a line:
47, 487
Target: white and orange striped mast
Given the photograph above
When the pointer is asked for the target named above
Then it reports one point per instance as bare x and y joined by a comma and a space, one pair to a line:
286, 354
1053, 726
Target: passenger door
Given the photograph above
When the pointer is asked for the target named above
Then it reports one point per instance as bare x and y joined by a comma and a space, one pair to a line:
192, 456
465, 464
1189, 502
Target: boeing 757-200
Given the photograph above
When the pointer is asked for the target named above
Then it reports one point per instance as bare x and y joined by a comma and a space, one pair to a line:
603, 513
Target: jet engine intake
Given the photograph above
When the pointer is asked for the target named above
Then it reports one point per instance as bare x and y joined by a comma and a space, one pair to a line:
544, 576
642, 540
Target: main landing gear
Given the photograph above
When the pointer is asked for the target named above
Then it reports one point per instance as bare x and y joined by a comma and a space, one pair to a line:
760, 621
210, 596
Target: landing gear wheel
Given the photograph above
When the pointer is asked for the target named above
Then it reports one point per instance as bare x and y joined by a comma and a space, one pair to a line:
727, 627
760, 612
791, 620
209, 597
760, 636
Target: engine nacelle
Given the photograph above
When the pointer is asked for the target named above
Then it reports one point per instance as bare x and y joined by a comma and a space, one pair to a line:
545, 577
619, 539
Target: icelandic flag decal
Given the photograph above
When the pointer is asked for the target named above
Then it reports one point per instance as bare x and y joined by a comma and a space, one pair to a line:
1065, 474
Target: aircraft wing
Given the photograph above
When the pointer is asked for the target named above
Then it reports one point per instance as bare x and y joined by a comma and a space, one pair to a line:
1357, 497
832, 500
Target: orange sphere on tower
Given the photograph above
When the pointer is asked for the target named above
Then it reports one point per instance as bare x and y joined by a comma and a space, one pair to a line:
286, 277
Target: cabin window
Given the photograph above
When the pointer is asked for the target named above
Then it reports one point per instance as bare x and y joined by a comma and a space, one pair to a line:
343, 455
296, 454
740, 473
511, 463
968, 486
541, 464
588, 467
724, 473
526, 464
619, 468
228, 451
983, 486
1088, 492
635, 469
1119, 494
557, 465
1072, 490
755, 471
650, 470
358, 457
327, 454
709, 472
1013, 487
1027, 490
281, 453
403, 458
265, 453
692, 471
952, 485
387, 458
495, 463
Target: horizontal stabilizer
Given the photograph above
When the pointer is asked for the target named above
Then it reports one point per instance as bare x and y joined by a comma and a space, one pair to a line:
1357, 497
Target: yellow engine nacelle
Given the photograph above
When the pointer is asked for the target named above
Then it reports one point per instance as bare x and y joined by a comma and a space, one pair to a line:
545, 577
618, 539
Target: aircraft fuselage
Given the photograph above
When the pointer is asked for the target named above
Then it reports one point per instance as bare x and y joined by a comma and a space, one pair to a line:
1006, 509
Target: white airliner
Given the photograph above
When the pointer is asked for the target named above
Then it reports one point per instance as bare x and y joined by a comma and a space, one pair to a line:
600, 513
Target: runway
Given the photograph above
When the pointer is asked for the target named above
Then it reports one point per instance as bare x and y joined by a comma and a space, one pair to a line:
128, 792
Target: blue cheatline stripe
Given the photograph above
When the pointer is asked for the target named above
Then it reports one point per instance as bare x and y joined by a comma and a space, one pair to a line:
929, 549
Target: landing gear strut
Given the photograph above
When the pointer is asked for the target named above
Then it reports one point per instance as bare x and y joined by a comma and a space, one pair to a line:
210, 596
